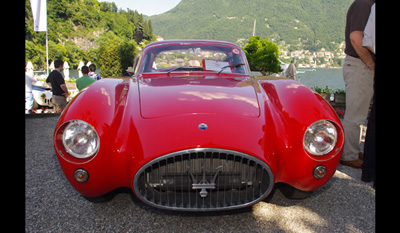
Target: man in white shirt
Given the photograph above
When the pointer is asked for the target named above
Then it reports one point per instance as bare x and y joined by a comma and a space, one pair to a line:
368, 166
369, 31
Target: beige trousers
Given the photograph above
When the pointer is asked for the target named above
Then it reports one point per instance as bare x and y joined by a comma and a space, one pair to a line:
359, 91
59, 103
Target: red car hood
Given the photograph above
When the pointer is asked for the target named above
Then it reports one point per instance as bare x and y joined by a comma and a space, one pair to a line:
162, 96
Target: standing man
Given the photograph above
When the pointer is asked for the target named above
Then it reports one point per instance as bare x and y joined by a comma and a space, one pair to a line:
85, 80
57, 84
92, 72
358, 75
291, 71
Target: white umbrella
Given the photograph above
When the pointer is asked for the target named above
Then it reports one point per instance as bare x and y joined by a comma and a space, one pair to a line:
79, 69
51, 67
29, 68
66, 70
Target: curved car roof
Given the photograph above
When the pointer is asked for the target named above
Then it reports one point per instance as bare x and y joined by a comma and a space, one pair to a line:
191, 41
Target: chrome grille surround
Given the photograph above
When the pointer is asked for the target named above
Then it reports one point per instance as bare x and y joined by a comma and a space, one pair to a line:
203, 179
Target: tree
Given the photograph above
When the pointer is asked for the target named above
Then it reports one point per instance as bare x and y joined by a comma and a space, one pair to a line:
115, 54
36, 54
263, 55
109, 59
57, 51
73, 25
74, 54
127, 51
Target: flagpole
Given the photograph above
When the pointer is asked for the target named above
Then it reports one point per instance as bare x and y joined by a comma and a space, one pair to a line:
254, 27
47, 54
47, 45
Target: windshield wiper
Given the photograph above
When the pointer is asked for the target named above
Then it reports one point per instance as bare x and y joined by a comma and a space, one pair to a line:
176, 68
186, 68
231, 66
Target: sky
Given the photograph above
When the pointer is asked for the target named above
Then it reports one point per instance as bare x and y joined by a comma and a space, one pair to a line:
146, 7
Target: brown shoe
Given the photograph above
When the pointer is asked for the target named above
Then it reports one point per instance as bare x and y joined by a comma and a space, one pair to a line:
355, 164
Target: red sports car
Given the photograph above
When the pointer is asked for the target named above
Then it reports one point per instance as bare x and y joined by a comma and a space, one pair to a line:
192, 130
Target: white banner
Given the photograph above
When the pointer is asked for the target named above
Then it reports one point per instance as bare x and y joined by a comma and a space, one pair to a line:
39, 12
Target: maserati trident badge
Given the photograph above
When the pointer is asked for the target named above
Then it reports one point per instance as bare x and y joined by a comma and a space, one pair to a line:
204, 184
203, 126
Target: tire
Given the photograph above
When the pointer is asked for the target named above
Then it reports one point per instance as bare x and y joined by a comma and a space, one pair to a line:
108, 196
103, 198
99, 199
293, 193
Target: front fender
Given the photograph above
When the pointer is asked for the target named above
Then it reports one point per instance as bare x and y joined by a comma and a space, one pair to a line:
291, 108
104, 106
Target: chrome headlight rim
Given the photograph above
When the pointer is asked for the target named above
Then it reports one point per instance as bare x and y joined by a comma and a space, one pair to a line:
324, 132
89, 134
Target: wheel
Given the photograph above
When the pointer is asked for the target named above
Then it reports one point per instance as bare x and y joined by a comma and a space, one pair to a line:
293, 193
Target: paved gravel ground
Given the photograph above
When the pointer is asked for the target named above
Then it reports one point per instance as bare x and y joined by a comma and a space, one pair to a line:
345, 204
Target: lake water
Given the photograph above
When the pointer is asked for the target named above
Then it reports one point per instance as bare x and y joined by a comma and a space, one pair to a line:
321, 77
333, 78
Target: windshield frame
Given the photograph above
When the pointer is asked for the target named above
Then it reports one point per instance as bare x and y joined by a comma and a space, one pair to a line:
146, 59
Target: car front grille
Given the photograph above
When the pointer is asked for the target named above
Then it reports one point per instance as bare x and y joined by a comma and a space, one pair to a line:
203, 179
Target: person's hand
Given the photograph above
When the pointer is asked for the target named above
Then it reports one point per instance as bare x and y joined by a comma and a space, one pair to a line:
371, 67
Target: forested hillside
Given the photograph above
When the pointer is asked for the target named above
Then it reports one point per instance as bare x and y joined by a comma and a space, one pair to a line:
304, 24
84, 30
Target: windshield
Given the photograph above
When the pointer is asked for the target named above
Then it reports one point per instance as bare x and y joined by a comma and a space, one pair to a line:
192, 57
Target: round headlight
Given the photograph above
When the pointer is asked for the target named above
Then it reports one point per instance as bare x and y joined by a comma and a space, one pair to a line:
320, 138
80, 139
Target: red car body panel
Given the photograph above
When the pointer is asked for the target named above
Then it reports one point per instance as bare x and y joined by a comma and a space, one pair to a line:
197, 94
141, 118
